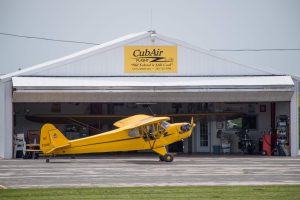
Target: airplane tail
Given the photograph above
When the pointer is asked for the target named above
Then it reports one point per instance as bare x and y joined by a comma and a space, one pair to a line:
52, 139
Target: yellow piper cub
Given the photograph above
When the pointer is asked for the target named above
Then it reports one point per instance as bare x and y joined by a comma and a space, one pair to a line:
138, 132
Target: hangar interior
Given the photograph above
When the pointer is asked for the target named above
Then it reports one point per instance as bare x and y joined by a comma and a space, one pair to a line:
77, 120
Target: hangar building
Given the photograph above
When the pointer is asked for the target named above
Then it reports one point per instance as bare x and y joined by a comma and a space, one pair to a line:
143, 73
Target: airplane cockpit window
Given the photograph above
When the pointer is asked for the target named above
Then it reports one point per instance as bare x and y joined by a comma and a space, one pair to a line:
151, 128
151, 131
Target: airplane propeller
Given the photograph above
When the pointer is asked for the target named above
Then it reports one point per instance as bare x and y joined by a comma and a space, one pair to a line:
188, 126
192, 122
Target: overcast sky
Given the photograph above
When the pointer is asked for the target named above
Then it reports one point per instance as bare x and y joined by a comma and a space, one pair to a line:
210, 24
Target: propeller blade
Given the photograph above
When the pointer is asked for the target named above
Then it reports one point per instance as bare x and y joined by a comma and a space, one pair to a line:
192, 122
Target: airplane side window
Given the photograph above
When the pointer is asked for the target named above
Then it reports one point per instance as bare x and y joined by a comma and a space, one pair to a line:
160, 128
143, 132
134, 132
155, 127
151, 130
146, 133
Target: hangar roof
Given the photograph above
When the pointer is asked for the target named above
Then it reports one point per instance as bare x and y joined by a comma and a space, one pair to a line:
107, 60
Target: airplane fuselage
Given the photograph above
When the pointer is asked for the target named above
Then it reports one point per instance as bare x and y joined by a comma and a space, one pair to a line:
118, 140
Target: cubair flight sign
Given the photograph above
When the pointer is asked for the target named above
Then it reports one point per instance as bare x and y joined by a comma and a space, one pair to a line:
150, 59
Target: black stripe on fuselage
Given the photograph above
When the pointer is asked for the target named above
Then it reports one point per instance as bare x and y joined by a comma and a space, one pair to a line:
115, 141
107, 142
168, 134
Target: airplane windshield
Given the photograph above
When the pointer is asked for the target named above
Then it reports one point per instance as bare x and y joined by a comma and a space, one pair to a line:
165, 124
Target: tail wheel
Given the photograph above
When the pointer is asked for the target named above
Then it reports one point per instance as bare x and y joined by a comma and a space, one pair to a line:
168, 157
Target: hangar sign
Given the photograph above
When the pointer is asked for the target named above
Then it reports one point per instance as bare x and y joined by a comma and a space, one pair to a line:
143, 59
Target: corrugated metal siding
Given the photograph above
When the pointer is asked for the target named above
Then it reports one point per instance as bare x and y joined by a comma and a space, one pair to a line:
190, 63
108, 63
193, 62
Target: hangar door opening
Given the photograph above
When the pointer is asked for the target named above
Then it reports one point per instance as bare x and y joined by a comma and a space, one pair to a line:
217, 130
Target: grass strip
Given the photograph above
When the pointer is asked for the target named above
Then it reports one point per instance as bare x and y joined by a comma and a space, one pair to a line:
285, 192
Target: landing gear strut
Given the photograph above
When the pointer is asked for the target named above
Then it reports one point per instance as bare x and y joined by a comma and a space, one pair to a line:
167, 157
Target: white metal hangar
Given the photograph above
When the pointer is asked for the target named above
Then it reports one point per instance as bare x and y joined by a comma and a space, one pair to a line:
147, 70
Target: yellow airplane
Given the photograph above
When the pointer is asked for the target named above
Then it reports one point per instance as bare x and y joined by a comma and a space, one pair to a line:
138, 132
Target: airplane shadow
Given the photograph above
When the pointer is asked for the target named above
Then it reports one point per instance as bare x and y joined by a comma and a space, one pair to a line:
146, 162
59, 162
70, 162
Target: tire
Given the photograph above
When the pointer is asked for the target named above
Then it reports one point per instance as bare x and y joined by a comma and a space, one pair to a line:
161, 158
168, 157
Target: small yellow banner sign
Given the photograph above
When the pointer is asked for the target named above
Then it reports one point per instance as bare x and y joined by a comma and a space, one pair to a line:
143, 59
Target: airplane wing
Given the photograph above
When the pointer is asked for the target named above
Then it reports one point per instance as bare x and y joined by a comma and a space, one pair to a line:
129, 120
139, 120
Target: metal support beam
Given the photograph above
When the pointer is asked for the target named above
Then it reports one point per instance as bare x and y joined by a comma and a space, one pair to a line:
148, 96
294, 108
6, 120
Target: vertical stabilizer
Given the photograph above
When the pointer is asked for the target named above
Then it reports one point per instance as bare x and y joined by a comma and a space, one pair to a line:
52, 139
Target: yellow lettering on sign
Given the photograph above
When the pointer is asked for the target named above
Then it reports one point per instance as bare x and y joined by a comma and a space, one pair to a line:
143, 59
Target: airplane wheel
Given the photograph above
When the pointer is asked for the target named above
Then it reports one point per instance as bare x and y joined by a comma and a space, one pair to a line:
168, 157
47, 160
161, 158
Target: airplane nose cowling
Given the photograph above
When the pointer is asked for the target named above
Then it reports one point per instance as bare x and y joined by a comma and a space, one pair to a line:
185, 128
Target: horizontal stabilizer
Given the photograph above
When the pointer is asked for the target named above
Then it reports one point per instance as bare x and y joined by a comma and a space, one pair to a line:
55, 148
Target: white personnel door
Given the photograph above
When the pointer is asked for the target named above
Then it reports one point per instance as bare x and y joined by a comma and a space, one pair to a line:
201, 137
